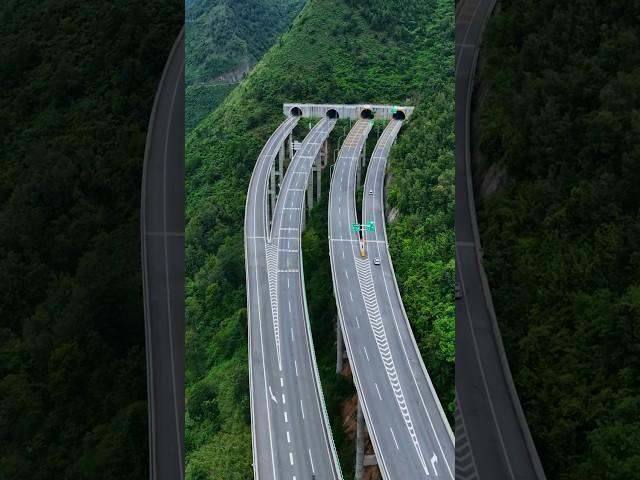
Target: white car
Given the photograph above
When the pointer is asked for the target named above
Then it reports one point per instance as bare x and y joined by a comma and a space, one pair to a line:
376, 261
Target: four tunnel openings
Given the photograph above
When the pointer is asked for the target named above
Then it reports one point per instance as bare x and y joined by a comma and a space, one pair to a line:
333, 113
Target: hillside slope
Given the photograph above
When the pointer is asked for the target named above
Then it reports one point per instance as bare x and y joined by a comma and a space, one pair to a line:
78, 82
562, 234
339, 51
223, 40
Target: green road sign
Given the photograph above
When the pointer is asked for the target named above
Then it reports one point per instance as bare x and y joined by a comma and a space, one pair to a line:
355, 227
371, 227
394, 109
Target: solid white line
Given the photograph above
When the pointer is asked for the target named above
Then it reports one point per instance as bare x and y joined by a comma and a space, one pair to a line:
313, 470
302, 409
365, 352
288, 437
291, 458
379, 396
394, 438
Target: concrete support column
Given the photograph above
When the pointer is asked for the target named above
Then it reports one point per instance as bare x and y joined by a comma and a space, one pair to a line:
339, 347
281, 165
318, 180
359, 444
272, 188
310, 190
291, 153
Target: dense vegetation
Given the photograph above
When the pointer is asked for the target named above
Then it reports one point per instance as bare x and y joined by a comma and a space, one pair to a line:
201, 100
338, 51
78, 82
223, 35
562, 234
224, 39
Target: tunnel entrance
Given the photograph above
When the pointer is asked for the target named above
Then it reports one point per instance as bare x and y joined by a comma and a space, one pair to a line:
296, 112
399, 115
366, 113
333, 114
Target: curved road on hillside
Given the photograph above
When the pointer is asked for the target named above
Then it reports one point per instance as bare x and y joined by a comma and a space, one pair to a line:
410, 435
495, 442
291, 434
162, 241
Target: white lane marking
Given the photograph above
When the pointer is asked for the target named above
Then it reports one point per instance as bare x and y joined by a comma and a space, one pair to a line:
434, 460
351, 295
339, 211
394, 438
363, 269
283, 399
346, 272
379, 396
281, 382
313, 470
365, 352
343, 254
286, 420
295, 364
357, 322
289, 306
288, 437
273, 397
272, 278
291, 458
288, 250
288, 286
292, 340
302, 409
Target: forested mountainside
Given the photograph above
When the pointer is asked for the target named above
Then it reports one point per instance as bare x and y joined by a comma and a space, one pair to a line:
224, 39
561, 235
336, 51
78, 82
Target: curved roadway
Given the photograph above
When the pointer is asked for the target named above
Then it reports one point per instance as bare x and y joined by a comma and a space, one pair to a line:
409, 432
291, 434
499, 442
162, 239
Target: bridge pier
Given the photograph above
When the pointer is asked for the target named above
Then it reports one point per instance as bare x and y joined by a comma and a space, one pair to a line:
272, 190
281, 165
339, 348
362, 460
359, 443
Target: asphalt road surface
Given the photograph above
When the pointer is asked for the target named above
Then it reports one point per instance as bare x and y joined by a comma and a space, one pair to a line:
291, 434
410, 435
496, 430
162, 238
